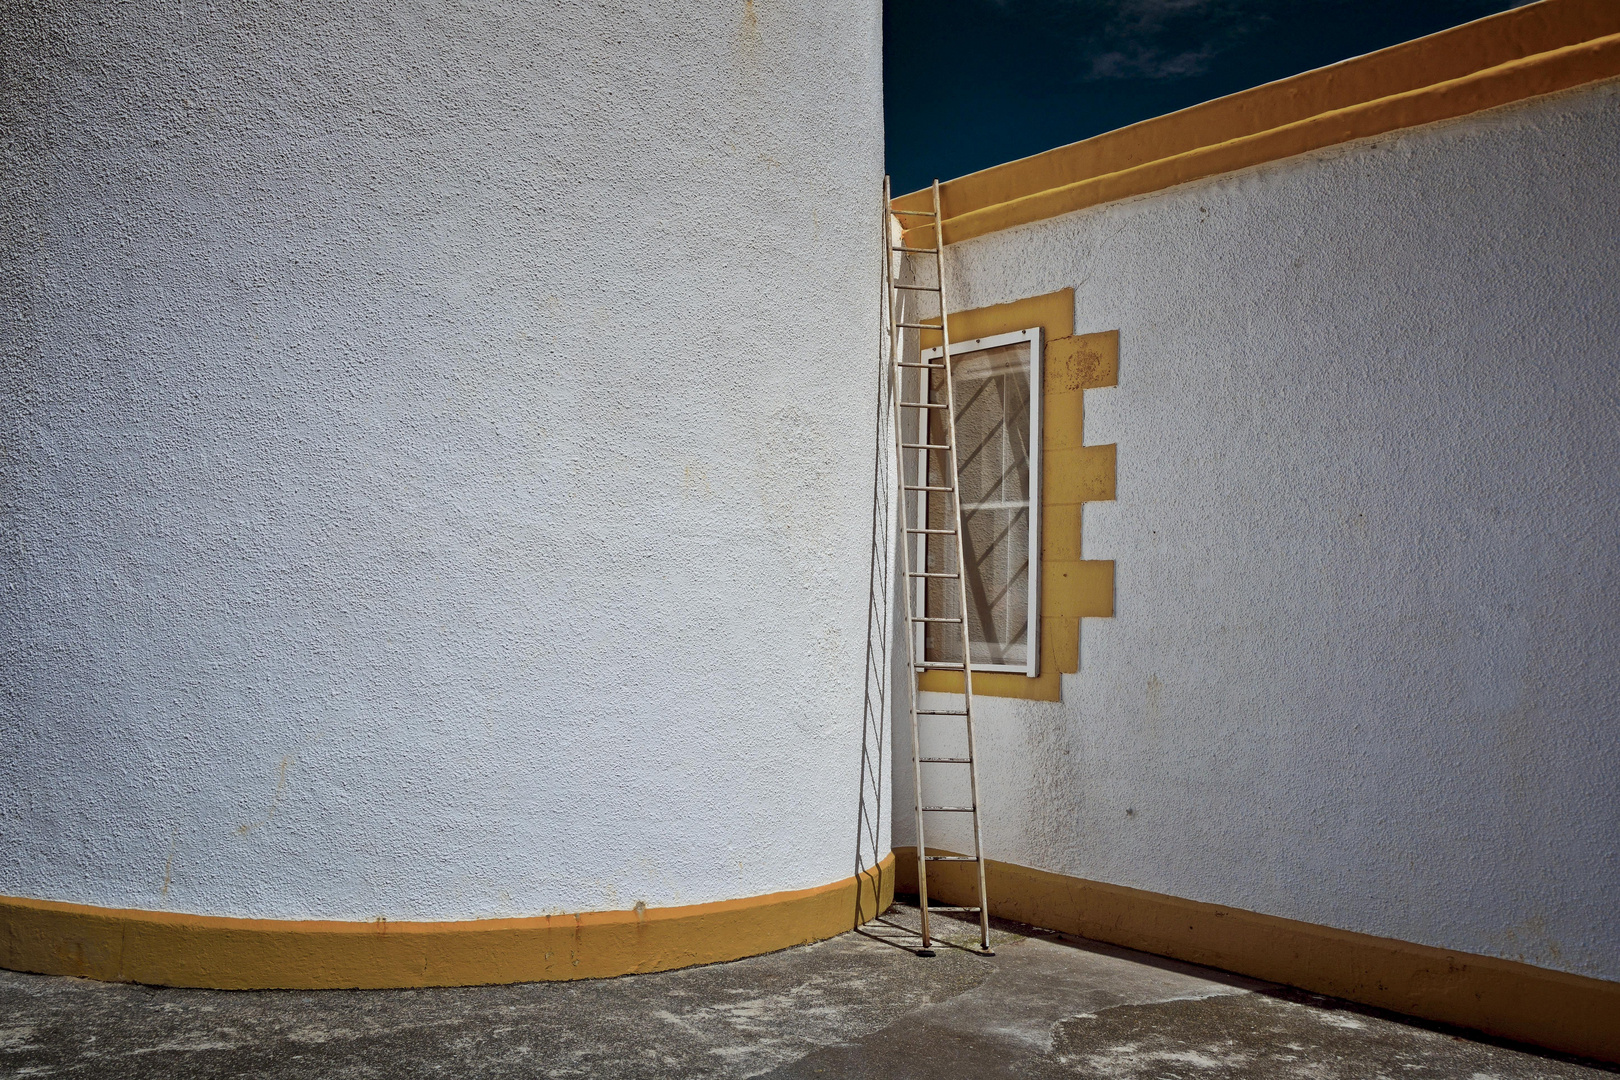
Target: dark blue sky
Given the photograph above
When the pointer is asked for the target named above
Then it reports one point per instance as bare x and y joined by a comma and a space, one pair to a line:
974, 83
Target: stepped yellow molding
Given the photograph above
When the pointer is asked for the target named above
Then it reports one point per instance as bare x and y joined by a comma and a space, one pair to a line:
1538, 49
1570, 1013
1071, 474
169, 949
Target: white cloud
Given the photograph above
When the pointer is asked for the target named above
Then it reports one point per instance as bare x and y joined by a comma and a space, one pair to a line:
1146, 63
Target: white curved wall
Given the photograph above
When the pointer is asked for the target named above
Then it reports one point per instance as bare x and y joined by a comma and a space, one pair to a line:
1365, 664
438, 453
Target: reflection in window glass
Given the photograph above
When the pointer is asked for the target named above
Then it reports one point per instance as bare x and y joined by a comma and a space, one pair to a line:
996, 439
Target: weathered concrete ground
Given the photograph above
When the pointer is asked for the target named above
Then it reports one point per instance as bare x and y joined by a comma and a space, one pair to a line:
861, 1005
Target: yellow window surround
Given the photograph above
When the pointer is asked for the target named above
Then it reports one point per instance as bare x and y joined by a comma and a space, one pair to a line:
1072, 474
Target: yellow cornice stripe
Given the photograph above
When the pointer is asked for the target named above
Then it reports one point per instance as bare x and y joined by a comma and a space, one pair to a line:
1571, 1013
169, 949
1449, 54
1539, 49
1545, 73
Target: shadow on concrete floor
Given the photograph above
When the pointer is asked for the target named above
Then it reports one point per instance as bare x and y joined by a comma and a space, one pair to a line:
861, 1005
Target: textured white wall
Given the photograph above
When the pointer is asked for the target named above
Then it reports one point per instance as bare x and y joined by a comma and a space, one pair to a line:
438, 452
1365, 667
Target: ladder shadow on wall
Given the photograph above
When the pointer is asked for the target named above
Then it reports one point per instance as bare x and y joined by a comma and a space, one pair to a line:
881, 658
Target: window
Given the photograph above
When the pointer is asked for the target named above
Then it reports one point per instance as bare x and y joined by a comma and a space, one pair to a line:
997, 385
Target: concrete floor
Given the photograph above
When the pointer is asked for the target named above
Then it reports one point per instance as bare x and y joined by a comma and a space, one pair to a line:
861, 1005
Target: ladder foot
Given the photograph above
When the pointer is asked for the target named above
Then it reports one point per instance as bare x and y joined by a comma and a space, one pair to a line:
925, 952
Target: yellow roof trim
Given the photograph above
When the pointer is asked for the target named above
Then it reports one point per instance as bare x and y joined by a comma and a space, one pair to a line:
1538, 49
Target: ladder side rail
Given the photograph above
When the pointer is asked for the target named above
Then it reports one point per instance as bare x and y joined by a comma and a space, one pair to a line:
896, 385
961, 569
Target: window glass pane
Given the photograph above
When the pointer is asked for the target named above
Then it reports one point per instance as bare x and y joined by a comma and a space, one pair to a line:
993, 447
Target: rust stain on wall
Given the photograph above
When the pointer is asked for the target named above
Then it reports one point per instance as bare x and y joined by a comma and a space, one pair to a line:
275, 799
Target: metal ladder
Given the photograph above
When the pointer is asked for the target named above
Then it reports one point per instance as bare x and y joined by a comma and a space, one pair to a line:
934, 419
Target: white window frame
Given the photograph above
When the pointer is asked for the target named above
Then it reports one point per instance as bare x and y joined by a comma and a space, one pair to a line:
1032, 668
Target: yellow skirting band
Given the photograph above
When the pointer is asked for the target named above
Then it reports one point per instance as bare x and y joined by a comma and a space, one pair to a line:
1570, 1013
168, 949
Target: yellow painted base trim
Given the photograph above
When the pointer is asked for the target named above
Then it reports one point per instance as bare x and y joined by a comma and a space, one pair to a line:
167, 949
1569, 1013
1526, 52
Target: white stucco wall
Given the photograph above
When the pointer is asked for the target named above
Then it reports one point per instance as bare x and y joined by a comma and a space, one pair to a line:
438, 452
1365, 666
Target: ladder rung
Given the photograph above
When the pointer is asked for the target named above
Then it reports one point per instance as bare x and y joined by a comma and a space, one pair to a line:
923, 405
918, 325
913, 213
948, 858
926, 666
924, 573
934, 532
927, 487
951, 809
919, 288
923, 446
933, 618
951, 907
916, 251
946, 760
940, 712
